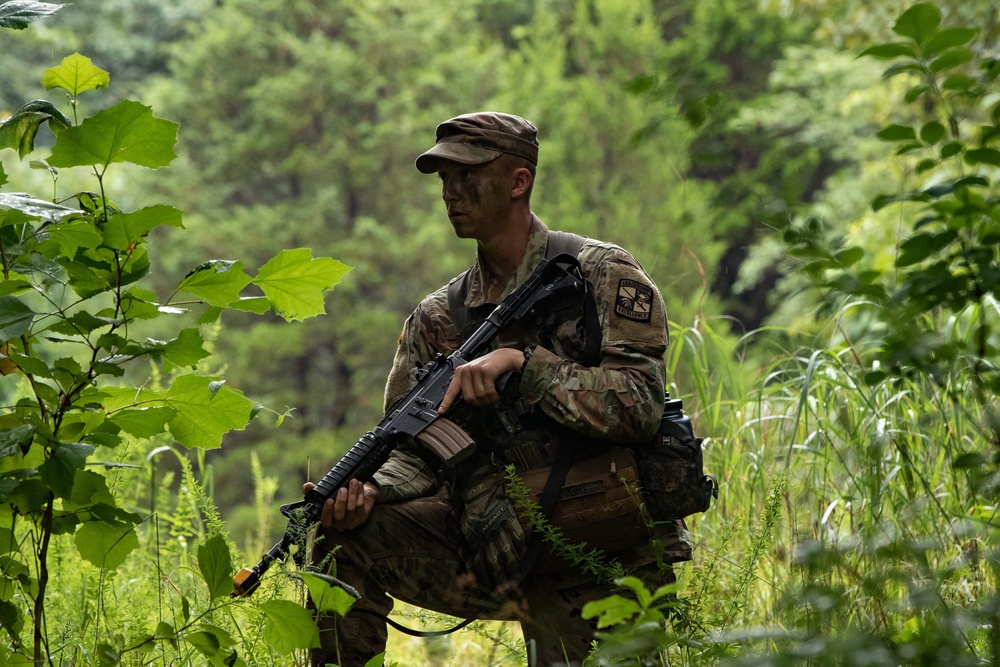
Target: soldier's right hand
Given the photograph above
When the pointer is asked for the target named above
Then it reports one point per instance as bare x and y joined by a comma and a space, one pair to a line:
350, 508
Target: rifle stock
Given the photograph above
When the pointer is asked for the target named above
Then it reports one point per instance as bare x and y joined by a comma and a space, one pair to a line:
414, 412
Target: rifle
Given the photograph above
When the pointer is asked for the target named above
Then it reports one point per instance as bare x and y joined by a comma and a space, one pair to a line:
416, 412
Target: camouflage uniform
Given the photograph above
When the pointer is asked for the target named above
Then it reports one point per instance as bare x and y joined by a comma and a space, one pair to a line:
422, 542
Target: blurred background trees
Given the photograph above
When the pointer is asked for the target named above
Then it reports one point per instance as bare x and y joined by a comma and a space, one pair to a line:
728, 144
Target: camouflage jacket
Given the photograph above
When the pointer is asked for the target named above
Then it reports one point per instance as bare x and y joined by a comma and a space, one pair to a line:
618, 401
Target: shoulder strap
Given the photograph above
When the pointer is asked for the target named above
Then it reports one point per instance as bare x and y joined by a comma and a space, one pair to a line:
558, 243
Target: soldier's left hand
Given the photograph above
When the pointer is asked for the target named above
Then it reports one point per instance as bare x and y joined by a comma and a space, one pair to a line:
476, 380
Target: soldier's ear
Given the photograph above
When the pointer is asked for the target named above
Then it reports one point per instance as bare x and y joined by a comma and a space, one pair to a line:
522, 182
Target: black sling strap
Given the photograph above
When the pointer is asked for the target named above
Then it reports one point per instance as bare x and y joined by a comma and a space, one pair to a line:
558, 244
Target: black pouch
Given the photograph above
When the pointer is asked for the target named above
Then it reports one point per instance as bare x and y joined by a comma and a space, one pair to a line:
672, 471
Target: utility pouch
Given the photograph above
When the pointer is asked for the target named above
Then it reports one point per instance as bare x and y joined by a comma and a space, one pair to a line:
672, 469
600, 503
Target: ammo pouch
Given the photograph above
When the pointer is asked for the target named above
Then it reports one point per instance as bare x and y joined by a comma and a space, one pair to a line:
672, 470
600, 503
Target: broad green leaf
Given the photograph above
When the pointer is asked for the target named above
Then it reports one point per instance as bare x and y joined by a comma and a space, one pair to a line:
949, 59
59, 472
3, 175
143, 422
34, 207
185, 350
257, 305
288, 626
203, 418
326, 596
889, 51
140, 304
19, 131
18, 14
127, 132
216, 566
125, 229
13, 285
16, 440
988, 156
89, 488
850, 256
294, 282
104, 544
74, 235
7, 542
896, 132
218, 282
913, 93
958, 82
29, 497
901, 68
919, 22
951, 149
15, 318
75, 74
932, 132
206, 642
947, 39
11, 618
377, 660
611, 610
164, 630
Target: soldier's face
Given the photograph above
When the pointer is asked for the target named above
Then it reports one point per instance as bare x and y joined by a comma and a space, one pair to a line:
478, 197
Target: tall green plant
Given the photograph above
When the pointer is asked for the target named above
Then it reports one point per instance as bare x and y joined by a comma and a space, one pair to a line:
82, 383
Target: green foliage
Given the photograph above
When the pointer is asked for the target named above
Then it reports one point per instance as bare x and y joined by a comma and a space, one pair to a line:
71, 322
19, 14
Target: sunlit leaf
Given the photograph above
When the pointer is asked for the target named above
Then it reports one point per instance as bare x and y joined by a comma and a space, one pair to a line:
288, 626
327, 596
125, 229
126, 132
218, 282
74, 235
185, 350
611, 610
75, 74
294, 282
143, 422
18, 14
216, 566
106, 544
203, 418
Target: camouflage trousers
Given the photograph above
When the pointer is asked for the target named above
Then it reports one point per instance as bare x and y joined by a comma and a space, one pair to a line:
413, 551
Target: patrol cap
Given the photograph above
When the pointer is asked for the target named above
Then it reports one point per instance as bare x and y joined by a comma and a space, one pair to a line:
477, 138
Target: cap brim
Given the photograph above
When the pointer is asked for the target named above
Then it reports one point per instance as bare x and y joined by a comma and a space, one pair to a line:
429, 162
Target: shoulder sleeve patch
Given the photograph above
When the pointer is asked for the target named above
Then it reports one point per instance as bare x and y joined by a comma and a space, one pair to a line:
634, 300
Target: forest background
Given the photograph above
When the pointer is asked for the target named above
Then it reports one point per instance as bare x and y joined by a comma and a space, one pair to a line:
823, 234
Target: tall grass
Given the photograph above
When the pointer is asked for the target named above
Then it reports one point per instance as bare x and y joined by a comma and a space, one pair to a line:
854, 525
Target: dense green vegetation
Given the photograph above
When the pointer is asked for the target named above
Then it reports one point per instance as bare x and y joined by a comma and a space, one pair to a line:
824, 228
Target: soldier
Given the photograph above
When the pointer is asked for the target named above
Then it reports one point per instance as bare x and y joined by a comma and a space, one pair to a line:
451, 544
